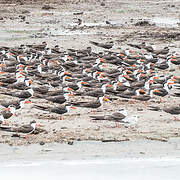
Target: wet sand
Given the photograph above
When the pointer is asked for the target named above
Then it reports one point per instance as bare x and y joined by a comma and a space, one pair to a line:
89, 159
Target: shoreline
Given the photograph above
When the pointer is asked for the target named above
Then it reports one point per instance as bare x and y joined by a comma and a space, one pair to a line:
84, 150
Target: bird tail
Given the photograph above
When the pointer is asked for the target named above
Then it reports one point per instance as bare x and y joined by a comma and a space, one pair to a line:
5, 128
97, 117
154, 108
41, 107
94, 43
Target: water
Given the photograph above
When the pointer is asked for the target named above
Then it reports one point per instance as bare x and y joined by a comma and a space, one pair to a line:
105, 169
166, 22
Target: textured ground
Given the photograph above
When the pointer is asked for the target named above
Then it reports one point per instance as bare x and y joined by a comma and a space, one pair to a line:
58, 26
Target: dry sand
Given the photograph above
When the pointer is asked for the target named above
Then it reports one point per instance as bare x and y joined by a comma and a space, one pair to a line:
57, 26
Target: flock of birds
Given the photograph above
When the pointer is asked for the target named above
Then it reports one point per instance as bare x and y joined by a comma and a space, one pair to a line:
37, 71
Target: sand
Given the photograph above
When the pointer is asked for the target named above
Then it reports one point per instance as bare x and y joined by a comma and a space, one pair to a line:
58, 26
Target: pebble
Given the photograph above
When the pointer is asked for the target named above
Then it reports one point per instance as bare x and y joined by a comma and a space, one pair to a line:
42, 143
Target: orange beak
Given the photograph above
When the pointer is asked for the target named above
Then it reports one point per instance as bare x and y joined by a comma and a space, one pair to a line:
84, 83
69, 57
106, 99
7, 109
119, 84
2, 65
142, 90
121, 55
142, 60
130, 72
69, 89
156, 91
11, 54
38, 125
2, 72
108, 85
98, 72
30, 82
67, 77
173, 79
101, 59
66, 73
70, 94
27, 102
72, 107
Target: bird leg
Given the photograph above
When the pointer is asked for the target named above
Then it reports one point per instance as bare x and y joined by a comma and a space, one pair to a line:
27, 137
131, 102
6, 123
176, 118
94, 111
61, 118
145, 104
160, 100
117, 125
15, 114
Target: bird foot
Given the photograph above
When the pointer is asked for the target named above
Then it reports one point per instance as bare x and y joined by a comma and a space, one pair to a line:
27, 137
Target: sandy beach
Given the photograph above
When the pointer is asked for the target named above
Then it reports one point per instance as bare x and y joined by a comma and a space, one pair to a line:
58, 26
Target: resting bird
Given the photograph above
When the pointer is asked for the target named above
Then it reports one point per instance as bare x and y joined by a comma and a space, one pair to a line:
103, 45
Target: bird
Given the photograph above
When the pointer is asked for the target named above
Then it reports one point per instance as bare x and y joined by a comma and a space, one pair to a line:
115, 117
108, 45
173, 109
58, 110
26, 129
93, 104
20, 94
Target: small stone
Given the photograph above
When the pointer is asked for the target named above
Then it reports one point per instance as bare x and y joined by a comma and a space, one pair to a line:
42, 143
70, 142
47, 7
142, 153
139, 109
103, 4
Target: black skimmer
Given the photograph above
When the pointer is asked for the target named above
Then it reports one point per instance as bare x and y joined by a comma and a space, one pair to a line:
21, 94
93, 104
58, 110
108, 45
116, 117
26, 129
174, 110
